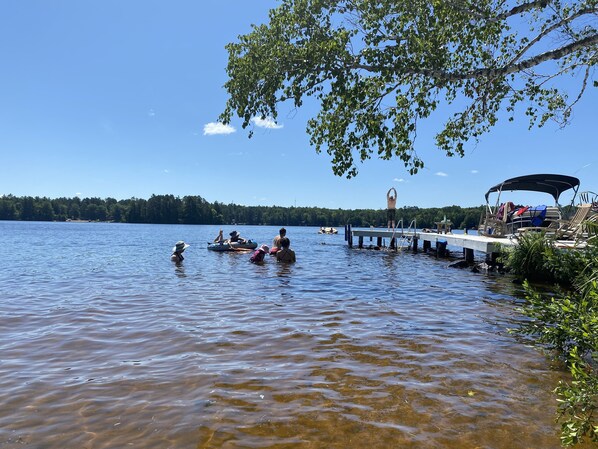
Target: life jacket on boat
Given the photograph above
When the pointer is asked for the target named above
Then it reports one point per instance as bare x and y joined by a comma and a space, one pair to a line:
538, 214
504, 210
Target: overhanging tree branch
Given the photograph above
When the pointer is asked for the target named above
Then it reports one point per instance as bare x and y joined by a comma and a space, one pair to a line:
525, 7
476, 12
552, 28
442, 75
467, 51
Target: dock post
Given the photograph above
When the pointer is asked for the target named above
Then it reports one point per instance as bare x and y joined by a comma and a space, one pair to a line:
440, 248
468, 255
491, 258
393, 243
427, 246
379, 242
414, 243
350, 236
361, 241
346, 236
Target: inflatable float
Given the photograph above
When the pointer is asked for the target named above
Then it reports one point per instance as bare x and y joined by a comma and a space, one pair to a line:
232, 246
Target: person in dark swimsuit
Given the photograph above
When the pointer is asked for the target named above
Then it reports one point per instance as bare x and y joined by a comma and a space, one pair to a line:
177, 251
286, 254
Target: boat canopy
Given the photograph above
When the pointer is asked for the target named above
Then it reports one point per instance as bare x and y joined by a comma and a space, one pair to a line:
551, 184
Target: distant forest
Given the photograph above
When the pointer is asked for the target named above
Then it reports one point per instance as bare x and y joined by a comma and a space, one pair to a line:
168, 209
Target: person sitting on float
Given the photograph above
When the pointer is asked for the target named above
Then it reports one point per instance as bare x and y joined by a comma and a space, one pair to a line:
219, 238
235, 237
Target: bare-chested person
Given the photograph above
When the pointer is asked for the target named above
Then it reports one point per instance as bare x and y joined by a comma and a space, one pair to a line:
391, 207
276, 246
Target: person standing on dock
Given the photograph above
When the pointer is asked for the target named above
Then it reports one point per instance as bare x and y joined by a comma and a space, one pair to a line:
391, 207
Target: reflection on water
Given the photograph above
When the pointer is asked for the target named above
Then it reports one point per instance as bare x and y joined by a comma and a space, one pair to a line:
179, 269
344, 349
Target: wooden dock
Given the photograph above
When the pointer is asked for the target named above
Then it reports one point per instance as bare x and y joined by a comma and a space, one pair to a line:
468, 242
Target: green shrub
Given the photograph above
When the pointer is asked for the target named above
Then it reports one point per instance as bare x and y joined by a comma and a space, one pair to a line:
536, 258
527, 259
566, 322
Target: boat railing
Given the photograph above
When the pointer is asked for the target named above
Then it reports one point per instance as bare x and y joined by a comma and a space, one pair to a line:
589, 197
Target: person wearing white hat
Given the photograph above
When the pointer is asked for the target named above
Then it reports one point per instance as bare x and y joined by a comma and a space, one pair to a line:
259, 254
177, 251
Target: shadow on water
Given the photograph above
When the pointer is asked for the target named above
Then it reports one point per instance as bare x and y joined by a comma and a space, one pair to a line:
343, 349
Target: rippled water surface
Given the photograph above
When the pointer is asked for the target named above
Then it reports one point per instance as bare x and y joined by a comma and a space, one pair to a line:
105, 343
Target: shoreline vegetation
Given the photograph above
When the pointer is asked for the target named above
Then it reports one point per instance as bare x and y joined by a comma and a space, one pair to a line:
564, 321
168, 209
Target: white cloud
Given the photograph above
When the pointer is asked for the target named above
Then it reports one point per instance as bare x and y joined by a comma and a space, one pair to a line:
441, 173
268, 123
475, 172
166, 170
398, 180
78, 194
151, 113
215, 128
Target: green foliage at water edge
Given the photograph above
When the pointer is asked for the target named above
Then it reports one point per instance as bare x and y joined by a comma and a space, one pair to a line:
536, 258
566, 322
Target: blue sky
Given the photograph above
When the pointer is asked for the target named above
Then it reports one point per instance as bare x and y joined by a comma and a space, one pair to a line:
115, 98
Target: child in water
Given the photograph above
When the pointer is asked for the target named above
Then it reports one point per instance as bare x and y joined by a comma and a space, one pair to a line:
259, 254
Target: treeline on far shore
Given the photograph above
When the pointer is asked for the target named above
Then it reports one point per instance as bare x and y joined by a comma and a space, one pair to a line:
168, 209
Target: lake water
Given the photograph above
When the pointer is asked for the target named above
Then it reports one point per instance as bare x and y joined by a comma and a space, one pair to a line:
106, 343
